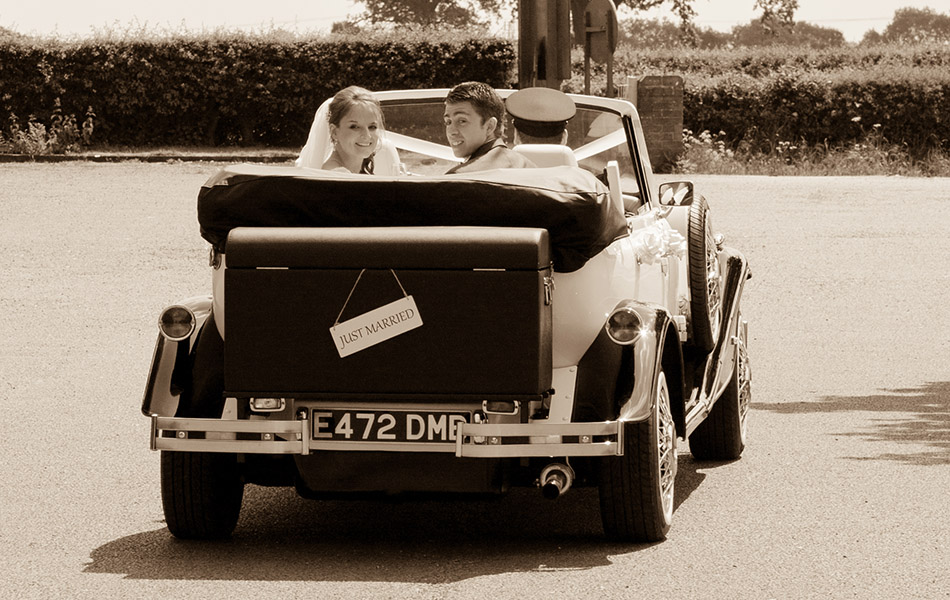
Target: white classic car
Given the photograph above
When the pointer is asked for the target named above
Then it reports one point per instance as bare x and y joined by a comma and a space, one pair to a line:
556, 327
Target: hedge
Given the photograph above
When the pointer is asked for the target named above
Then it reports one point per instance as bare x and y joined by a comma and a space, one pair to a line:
904, 107
263, 90
760, 98
226, 90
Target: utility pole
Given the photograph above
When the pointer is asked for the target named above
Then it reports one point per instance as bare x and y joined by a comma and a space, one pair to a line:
544, 43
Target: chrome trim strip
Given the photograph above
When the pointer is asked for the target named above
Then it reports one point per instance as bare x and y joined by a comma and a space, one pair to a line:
539, 450
232, 426
545, 439
222, 436
230, 446
537, 429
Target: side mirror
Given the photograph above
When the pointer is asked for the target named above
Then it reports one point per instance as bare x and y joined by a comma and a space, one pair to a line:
676, 193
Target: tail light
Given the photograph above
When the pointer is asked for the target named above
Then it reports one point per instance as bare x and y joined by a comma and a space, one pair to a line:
176, 323
624, 326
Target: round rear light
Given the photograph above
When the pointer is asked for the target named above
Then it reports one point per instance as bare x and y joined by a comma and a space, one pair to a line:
623, 326
176, 323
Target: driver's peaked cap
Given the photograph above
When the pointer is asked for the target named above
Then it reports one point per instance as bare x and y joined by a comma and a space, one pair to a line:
540, 112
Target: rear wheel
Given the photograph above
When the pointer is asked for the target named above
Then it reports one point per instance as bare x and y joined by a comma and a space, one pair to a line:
202, 491
722, 436
636, 489
705, 278
201, 494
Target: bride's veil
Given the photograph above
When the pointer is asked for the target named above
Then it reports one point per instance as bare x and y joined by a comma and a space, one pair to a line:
319, 147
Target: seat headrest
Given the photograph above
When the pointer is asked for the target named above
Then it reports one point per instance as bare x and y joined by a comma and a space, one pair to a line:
547, 155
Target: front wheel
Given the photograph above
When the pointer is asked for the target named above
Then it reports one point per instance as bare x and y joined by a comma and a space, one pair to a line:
722, 435
201, 494
636, 489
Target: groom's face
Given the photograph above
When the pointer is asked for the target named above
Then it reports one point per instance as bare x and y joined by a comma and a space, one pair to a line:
465, 129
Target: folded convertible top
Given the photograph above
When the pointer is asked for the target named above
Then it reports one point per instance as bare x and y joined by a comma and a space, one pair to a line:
569, 202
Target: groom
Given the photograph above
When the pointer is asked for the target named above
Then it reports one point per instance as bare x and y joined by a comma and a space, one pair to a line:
474, 125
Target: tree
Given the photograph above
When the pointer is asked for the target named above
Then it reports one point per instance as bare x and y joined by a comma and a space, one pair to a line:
466, 13
650, 33
777, 11
871, 36
430, 13
682, 8
757, 33
777, 15
915, 25
663, 33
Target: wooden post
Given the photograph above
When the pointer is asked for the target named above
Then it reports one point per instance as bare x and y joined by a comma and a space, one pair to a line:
527, 43
587, 45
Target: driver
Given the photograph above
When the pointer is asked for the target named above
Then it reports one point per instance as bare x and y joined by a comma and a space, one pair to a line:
540, 115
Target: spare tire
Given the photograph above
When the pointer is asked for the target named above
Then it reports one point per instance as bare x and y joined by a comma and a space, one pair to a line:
705, 278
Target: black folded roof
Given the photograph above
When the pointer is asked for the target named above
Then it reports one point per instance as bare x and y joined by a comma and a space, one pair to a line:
569, 202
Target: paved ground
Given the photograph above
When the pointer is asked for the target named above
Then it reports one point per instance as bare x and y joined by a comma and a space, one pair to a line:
842, 492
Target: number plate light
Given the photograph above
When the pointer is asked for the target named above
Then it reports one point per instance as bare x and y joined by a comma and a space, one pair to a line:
267, 404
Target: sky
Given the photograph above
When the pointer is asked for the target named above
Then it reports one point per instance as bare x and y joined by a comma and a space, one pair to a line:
70, 18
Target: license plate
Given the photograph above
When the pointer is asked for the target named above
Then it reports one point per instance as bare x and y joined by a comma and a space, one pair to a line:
387, 426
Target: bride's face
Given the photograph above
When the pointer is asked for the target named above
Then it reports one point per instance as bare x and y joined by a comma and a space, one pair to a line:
358, 132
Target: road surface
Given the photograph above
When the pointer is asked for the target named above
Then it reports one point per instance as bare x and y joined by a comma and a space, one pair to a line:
842, 491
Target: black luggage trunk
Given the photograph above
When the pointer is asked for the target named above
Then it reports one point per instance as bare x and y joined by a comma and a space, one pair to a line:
483, 295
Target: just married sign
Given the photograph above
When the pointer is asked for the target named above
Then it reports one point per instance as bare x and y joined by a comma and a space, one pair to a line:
376, 326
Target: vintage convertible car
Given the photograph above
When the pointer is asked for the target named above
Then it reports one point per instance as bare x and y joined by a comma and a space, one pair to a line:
555, 327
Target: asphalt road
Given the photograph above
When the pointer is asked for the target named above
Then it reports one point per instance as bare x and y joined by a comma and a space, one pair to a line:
842, 491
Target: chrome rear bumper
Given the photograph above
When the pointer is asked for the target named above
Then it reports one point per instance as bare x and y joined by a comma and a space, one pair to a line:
472, 440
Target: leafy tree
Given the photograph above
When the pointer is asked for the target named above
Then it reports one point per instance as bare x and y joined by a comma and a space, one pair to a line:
654, 33
777, 15
649, 33
682, 8
466, 13
759, 33
871, 36
429, 13
914, 25
777, 12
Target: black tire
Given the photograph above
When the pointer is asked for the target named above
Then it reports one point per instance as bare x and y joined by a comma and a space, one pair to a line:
202, 491
722, 435
705, 278
637, 489
201, 494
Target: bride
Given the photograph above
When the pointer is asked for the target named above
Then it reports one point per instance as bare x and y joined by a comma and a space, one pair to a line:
348, 134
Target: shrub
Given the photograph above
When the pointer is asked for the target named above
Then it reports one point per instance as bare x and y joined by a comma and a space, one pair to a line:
228, 88
62, 135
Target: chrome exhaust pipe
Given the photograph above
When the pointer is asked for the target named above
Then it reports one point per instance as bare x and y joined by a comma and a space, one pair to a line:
556, 479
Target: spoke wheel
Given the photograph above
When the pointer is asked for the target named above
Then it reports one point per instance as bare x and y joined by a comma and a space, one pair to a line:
637, 489
705, 278
722, 436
